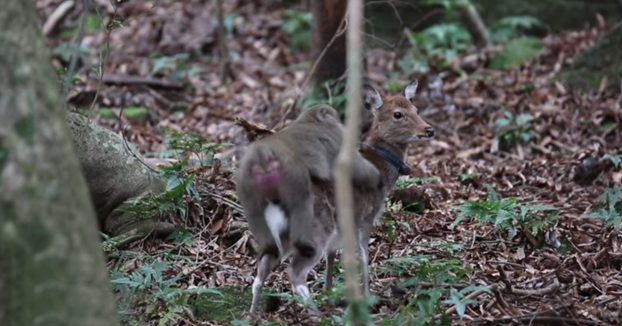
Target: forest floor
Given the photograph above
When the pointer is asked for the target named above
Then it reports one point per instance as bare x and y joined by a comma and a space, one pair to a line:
531, 266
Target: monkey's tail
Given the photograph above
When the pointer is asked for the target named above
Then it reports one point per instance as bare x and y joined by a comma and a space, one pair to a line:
277, 223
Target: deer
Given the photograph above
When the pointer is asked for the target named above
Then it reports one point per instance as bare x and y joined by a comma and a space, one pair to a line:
395, 125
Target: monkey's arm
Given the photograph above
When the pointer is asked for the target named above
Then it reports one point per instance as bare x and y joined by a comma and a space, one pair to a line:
364, 173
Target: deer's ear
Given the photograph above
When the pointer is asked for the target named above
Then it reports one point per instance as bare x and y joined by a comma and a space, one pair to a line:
410, 90
371, 99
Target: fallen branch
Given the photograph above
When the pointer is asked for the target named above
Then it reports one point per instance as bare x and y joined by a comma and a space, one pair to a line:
57, 15
140, 80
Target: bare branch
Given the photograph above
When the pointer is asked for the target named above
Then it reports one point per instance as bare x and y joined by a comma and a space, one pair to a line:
343, 165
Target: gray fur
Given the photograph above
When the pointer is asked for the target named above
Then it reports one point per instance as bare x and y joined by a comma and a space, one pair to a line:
306, 150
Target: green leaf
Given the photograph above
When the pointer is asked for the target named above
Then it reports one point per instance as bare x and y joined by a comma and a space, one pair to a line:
615, 159
93, 23
133, 112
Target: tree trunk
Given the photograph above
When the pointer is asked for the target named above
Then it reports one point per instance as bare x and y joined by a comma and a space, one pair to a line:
474, 23
327, 17
52, 269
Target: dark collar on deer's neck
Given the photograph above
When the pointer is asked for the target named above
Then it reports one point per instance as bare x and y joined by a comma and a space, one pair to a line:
392, 159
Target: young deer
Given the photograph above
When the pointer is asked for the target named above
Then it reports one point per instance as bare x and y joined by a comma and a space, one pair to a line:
396, 124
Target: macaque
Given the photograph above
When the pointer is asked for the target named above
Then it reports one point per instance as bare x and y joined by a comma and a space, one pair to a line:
274, 186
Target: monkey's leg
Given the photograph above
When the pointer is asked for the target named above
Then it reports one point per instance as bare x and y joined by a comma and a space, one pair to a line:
302, 219
301, 264
267, 262
330, 262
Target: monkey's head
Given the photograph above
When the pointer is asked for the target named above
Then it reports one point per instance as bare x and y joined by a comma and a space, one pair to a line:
396, 118
319, 113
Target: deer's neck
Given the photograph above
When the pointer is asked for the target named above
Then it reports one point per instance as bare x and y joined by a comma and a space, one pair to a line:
388, 158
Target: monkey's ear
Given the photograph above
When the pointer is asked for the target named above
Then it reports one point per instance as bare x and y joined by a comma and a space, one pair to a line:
371, 99
410, 90
323, 113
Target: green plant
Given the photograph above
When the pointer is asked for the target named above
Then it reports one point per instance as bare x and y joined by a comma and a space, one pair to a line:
505, 213
174, 65
515, 52
614, 159
178, 183
297, 25
331, 92
146, 293
403, 183
465, 176
457, 297
179, 178
178, 143
392, 225
511, 27
424, 307
512, 130
607, 208
444, 40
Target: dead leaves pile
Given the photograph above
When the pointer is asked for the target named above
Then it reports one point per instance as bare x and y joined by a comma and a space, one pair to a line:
562, 167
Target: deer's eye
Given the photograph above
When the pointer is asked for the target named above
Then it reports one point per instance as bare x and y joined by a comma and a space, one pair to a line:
398, 115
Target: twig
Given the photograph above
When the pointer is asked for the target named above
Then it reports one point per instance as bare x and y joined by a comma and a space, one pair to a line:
504, 279
102, 57
343, 165
501, 302
74, 56
127, 145
56, 16
227, 201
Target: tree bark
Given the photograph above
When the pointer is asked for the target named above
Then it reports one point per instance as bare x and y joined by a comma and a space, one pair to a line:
52, 269
474, 23
327, 17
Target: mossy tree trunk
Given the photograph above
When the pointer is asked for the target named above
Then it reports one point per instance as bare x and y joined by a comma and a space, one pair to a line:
603, 59
52, 269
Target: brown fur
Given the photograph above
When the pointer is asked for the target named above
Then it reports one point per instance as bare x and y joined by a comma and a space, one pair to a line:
393, 135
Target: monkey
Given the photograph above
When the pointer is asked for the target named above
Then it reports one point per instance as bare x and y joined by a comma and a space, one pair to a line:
274, 185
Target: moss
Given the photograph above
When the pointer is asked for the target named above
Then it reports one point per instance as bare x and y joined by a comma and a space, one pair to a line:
604, 58
235, 301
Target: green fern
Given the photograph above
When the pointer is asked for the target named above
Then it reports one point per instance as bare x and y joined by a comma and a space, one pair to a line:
607, 208
505, 213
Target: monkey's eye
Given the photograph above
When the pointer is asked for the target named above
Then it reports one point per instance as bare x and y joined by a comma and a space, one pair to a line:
398, 115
